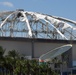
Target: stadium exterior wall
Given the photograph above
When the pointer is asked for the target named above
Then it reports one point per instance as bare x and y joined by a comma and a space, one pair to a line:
34, 47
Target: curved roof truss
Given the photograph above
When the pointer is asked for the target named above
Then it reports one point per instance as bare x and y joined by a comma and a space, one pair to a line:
21, 23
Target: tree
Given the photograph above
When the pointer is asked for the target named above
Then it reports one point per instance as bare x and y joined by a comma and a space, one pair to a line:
11, 59
2, 51
34, 67
13, 54
22, 67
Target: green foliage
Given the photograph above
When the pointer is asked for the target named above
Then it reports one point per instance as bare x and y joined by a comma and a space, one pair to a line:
1, 51
15, 65
13, 53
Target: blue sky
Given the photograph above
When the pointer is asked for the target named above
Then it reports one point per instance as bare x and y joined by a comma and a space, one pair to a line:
62, 8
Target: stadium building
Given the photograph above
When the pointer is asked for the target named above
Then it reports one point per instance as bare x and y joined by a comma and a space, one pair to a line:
33, 34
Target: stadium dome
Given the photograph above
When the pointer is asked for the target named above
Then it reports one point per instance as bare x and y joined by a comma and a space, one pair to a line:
27, 24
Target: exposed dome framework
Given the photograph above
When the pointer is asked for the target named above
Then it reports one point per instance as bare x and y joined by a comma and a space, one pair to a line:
22, 23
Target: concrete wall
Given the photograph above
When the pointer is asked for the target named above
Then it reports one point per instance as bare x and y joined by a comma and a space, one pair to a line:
74, 51
34, 47
22, 47
43, 47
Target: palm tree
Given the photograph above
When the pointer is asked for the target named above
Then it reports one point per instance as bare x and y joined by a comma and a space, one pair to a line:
22, 67
8, 65
2, 51
34, 67
11, 59
13, 54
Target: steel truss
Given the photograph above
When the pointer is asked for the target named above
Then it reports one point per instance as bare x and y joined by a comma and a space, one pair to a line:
22, 23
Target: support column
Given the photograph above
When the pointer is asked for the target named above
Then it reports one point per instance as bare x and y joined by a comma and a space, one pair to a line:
32, 49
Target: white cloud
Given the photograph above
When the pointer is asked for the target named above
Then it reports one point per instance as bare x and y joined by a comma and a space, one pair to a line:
9, 4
